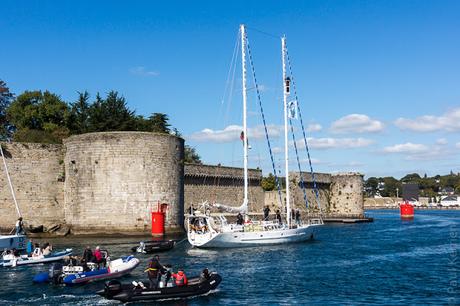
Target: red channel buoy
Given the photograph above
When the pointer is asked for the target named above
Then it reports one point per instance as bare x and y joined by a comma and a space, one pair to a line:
158, 220
406, 210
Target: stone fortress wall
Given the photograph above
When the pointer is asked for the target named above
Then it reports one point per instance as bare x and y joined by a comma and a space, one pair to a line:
224, 185
37, 174
110, 182
114, 180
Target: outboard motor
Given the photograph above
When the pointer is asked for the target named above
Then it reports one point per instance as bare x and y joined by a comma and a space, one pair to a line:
112, 288
55, 273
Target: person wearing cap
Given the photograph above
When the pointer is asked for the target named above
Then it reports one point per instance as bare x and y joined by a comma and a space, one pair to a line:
180, 277
153, 271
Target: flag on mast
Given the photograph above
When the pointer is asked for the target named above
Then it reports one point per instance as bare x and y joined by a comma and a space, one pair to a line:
242, 139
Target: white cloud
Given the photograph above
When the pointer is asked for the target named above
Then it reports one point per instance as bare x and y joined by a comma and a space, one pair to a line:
314, 127
413, 151
142, 71
335, 143
233, 132
457, 145
407, 147
356, 123
442, 141
450, 121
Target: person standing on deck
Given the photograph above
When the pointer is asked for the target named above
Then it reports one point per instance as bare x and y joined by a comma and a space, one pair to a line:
278, 216
297, 216
30, 247
266, 213
19, 227
239, 219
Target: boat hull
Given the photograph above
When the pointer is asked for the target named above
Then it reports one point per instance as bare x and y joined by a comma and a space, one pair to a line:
257, 238
129, 293
102, 274
31, 260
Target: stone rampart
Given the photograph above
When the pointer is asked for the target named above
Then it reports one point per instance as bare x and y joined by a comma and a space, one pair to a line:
346, 197
219, 184
37, 174
114, 180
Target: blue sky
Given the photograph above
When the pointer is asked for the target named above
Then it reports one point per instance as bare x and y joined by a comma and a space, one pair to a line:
378, 81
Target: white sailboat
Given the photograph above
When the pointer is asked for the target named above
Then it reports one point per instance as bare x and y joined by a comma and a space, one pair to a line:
9, 242
206, 231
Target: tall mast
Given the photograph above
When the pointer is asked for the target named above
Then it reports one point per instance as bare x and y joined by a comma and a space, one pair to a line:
245, 128
9, 182
286, 150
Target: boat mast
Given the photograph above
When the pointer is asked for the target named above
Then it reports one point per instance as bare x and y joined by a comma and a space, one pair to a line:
245, 128
286, 150
9, 182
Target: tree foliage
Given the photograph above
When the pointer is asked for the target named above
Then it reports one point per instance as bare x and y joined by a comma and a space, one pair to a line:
191, 156
5, 100
268, 183
429, 186
42, 115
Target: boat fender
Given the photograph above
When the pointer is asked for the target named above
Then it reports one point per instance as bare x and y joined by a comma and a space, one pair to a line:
41, 278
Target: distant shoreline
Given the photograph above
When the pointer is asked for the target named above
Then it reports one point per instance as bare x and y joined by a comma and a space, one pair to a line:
416, 208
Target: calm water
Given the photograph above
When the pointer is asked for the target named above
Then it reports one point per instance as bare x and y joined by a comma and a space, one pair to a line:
389, 261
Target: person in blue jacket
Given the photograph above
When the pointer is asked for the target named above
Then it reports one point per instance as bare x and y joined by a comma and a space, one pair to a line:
30, 247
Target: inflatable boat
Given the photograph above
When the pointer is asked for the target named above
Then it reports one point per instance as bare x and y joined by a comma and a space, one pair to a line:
114, 290
73, 274
10, 260
149, 247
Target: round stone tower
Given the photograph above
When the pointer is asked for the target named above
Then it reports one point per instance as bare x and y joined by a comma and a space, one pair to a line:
113, 180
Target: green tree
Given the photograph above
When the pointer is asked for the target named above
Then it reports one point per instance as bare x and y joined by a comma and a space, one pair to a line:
79, 114
110, 114
5, 100
268, 183
158, 122
411, 178
191, 156
372, 184
389, 190
39, 117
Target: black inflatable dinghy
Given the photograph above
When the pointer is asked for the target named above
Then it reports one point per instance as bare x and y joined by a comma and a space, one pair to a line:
114, 290
149, 247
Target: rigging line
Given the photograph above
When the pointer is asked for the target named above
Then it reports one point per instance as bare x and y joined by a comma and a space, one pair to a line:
304, 134
231, 78
265, 33
298, 164
263, 120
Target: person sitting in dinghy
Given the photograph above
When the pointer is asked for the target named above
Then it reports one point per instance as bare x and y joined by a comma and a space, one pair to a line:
180, 277
47, 248
37, 251
98, 258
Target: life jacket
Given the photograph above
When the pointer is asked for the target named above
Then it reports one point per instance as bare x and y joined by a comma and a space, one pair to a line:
180, 278
37, 252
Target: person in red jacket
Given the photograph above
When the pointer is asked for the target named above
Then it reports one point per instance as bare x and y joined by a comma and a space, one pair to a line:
98, 257
180, 278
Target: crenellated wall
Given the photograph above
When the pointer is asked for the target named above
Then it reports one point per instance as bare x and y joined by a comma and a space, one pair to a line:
110, 182
219, 184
